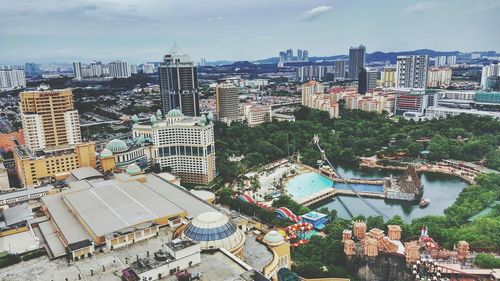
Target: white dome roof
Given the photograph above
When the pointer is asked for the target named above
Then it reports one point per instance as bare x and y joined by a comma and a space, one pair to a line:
105, 153
215, 230
117, 145
273, 238
133, 169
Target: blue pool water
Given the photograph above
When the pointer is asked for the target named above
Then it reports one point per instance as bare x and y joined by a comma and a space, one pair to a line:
308, 183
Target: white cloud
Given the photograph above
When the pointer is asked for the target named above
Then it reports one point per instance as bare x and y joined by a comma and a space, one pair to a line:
420, 7
315, 13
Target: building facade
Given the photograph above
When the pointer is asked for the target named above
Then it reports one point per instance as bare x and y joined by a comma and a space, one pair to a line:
185, 144
438, 77
388, 77
257, 114
12, 79
339, 69
411, 72
357, 59
227, 102
179, 83
118, 69
77, 70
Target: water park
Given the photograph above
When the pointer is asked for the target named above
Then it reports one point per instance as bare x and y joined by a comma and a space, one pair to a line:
304, 226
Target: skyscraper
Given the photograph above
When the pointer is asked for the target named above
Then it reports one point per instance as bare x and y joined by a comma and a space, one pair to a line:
226, 96
77, 70
299, 55
357, 57
96, 68
371, 79
305, 55
339, 69
179, 83
411, 71
362, 81
289, 55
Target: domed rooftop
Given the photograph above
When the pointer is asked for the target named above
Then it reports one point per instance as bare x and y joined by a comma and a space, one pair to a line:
135, 118
153, 119
159, 114
273, 238
174, 113
133, 169
210, 116
106, 153
215, 230
140, 139
117, 146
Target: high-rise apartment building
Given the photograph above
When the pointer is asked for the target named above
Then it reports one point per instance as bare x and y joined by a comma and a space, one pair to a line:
362, 81
411, 71
357, 57
311, 72
339, 69
185, 144
305, 55
96, 69
179, 83
313, 96
371, 79
148, 68
119, 69
491, 70
289, 55
77, 70
227, 102
53, 143
388, 77
300, 55
438, 77
12, 79
49, 119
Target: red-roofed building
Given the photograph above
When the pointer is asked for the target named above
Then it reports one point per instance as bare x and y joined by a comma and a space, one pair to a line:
9, 140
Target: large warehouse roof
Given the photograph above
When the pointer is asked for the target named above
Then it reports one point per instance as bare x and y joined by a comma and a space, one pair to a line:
111, 206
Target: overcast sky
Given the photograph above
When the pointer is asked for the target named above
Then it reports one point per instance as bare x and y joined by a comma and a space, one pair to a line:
143, 30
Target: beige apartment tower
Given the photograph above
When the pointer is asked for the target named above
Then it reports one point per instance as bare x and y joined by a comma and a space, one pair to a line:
49, 119
226, 95
53, 142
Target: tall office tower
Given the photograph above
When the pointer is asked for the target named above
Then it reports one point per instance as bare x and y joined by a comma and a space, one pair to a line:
119, 69
12, 79
179, 83
289, 55
491, 70
53, 143
411, 71
49, 119
77, 70
305, 55
96, 68
227, 102
282, 56
357, 57
148, 68
388, 77
362, 81
339, 69
300, 55
185, 144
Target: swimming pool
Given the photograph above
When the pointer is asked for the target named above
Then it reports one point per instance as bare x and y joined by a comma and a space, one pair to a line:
308, 183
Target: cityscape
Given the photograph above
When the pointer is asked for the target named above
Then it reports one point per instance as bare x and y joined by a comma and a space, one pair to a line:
285, 156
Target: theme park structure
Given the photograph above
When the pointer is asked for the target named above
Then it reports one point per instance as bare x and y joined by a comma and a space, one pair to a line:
281, 212
424, 257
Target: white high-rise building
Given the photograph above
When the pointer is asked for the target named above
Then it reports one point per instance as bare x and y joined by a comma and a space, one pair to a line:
411, 71
12, 79
133, 69
96, 68
185, 144
77, 70
148, 68
490, 70
119, 69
